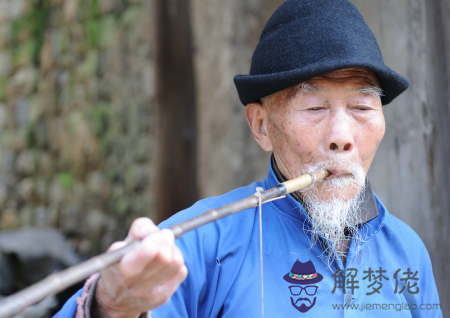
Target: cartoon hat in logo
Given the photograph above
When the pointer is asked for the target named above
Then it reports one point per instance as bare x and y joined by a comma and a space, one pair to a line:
303, 274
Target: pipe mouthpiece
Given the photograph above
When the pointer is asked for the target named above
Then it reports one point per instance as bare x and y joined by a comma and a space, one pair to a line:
319, 175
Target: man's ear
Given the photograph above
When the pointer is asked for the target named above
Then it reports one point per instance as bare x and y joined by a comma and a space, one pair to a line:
257, 118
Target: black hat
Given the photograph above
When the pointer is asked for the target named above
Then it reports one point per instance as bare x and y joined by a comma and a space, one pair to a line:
308, 38
303, 274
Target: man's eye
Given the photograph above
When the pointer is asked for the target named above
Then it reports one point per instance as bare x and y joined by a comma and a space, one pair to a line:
362, 108
316, 108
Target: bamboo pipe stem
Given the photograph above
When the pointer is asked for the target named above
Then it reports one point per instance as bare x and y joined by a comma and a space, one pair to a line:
57, 282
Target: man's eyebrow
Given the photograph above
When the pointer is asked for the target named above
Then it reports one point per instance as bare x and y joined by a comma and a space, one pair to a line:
372, 90
308, 88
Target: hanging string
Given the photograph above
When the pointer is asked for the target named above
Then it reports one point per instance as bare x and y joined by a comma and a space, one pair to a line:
258, 194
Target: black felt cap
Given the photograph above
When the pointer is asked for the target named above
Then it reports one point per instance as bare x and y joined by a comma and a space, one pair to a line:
308, 38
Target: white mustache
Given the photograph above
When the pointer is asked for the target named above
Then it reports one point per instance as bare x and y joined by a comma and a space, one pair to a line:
353, 169
333, 214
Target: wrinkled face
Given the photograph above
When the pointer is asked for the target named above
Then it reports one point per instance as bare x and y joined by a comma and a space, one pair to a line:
336, 117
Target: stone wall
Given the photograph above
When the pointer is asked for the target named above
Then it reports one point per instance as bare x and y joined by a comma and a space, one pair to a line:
76, 111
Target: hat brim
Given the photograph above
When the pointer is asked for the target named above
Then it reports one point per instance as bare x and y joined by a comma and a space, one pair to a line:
303, 282
251, 88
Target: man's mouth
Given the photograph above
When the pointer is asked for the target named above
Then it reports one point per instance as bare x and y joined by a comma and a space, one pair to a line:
339, 173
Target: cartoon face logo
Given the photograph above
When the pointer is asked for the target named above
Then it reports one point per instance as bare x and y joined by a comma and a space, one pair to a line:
303, 274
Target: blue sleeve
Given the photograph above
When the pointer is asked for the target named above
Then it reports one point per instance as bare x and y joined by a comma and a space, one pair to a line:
211, 260
429, 292
70, 307
416, 258
189, 300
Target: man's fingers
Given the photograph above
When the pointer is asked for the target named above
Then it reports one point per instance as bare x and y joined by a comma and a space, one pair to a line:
161, 294
116, 245
140, 228
157, 273
146, 277
156, 249
169, 288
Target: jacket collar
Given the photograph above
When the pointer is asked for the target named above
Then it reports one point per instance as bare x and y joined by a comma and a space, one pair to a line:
368, 207
373, 213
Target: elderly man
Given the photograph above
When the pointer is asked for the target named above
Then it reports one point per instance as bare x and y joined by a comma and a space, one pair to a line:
314, 97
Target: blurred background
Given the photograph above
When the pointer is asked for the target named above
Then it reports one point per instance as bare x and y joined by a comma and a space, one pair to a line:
115, 109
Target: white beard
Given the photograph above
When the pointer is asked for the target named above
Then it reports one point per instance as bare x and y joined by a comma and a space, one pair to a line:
332, 215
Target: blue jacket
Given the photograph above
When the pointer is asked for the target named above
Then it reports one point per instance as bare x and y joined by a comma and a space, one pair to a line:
391, 275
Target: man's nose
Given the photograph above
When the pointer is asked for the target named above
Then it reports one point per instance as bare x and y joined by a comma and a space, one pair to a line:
340, 133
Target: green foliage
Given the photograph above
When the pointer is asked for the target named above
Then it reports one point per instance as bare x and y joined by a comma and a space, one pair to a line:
93, 28
62, 40
30, 137
88, 10
3, 85
25, 52
65, 179
94, 10
16, 28
101, 117
93, 25
27, 33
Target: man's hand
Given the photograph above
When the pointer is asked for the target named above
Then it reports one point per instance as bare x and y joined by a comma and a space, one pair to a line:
145, 278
